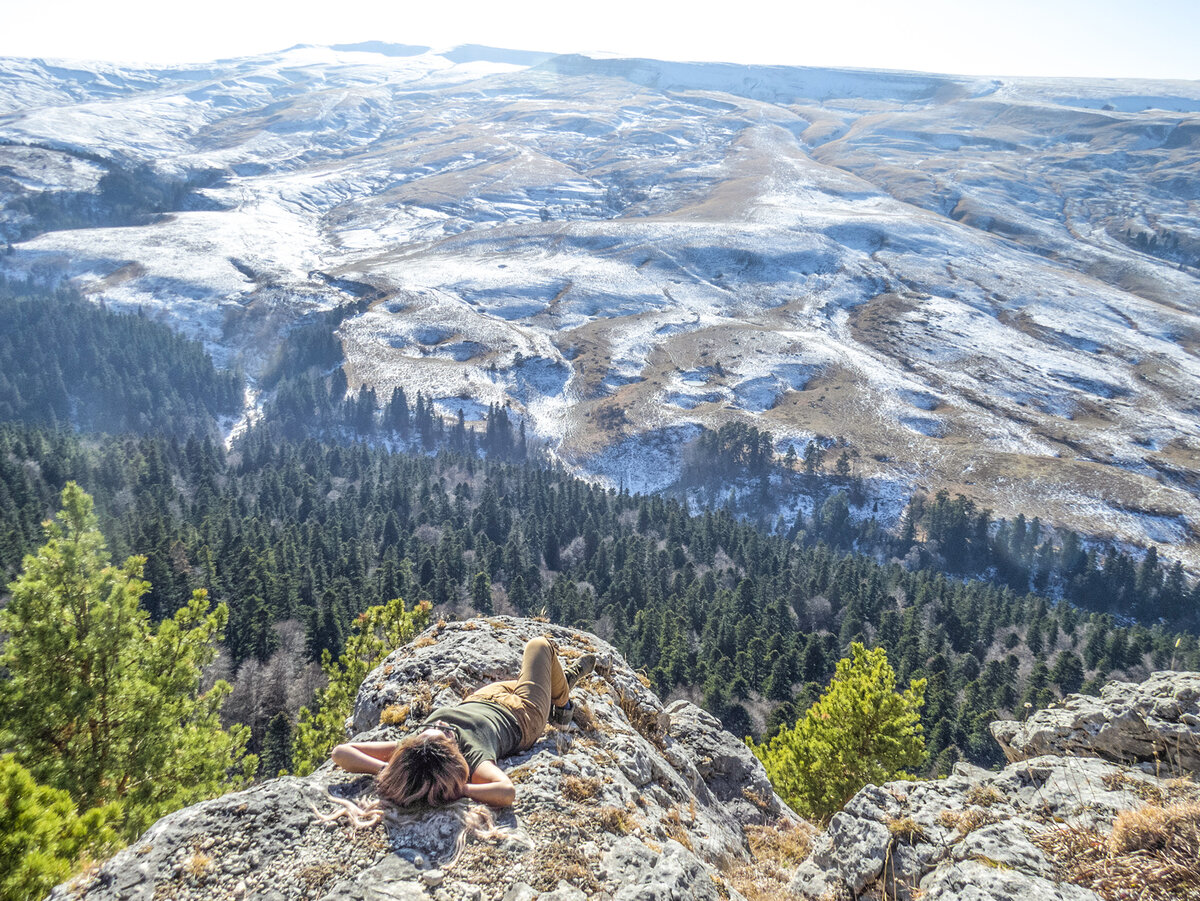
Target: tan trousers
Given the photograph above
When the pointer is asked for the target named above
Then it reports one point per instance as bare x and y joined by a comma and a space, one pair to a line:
540, 683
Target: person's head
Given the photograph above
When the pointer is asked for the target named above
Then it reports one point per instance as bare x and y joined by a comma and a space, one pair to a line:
427, 767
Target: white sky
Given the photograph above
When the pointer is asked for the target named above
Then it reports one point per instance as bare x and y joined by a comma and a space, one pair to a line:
1121, 38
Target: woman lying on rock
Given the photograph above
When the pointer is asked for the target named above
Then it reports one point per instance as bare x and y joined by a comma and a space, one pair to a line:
454, 755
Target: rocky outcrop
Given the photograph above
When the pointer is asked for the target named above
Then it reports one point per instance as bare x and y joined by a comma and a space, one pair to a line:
635, 801
972, 836
1155, 723
723, 765
632, 801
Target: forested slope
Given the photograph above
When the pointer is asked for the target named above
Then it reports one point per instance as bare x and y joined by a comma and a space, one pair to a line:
311, 534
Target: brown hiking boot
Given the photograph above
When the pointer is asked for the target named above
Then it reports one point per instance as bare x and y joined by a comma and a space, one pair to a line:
578, 668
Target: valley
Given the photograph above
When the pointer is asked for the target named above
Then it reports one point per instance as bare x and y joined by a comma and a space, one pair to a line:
983, 285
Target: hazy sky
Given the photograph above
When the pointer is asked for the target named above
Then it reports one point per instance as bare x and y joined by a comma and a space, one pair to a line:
1154, 39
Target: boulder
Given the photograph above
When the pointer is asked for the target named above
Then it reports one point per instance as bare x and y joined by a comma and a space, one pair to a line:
725, 766
614, 806
908, 839
1155, 723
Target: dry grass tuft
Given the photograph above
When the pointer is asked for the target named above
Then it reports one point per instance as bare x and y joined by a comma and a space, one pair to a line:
966, 821
776, 851
674, 828
424, 641
560, 860
394, 715
984, 796
583, 716
1158, 829
906, 829
520, 774
1160, 793
1152, 854
644, 720
616, 820
581, 788
197, 865
316, 877
762, 802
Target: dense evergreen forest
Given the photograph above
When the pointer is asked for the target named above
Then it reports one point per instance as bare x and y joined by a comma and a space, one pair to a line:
746, 614
298, 538
65, 361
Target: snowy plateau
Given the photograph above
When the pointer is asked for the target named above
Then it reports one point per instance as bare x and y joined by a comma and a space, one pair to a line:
985, 285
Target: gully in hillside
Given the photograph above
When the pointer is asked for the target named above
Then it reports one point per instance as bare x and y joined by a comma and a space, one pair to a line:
454, 755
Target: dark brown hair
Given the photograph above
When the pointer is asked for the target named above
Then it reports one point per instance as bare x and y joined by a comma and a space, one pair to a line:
425, 768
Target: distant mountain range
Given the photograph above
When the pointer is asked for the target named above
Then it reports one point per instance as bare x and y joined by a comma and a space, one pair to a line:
984, 285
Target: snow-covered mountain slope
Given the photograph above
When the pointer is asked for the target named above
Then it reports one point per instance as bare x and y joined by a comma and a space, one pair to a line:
988, 285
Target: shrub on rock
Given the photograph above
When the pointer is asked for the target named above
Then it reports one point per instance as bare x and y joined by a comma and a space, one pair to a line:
860, 731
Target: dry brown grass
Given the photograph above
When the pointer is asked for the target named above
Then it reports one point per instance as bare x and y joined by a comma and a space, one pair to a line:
581, 788
616, 820
197, 865
316, 877
906, 829
776, 851
520, 774
1152, 854
762, 802
644, 720
424, 641
583, 716
673, 827
966, 821
1153, 792
984, 795
394, 715
560, 860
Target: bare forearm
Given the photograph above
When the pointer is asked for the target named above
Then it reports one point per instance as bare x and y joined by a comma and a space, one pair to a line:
498, 794
352, 760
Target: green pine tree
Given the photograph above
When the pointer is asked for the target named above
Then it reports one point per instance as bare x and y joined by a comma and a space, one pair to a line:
860, 731
277, 746
100, 703
377, 632
42, 838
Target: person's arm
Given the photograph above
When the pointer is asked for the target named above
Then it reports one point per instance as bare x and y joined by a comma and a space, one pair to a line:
363, 756
491, 785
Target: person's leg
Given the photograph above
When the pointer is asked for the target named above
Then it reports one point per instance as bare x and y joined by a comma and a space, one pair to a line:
540, 683
541, 679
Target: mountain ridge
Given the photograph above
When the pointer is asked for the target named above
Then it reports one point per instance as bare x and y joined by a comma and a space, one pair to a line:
979, 284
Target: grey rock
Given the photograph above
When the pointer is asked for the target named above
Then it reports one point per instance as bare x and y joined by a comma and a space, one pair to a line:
895, 838
859, 849
850, 853
727, 767
971, 880
676, 873
630, 776
564, 892
1007, 845
1154, 722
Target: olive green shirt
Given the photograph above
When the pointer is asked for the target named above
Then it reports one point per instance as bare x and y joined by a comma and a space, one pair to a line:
485, 730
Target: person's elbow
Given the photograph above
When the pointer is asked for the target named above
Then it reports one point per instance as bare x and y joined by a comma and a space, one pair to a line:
507, 795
